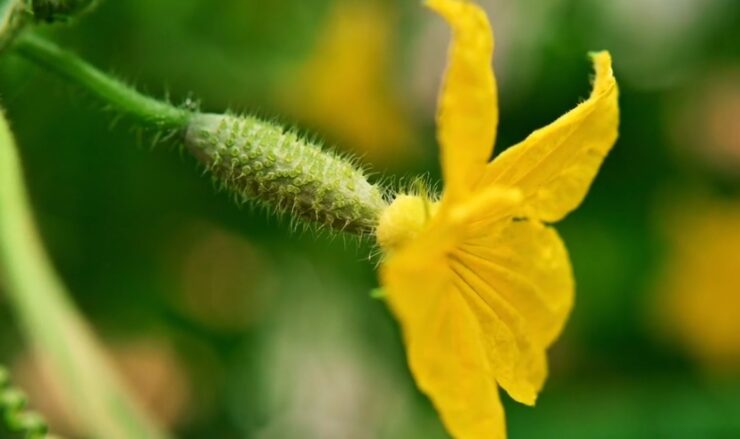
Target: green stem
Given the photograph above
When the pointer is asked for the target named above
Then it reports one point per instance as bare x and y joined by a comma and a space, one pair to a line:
147, 110
90, 389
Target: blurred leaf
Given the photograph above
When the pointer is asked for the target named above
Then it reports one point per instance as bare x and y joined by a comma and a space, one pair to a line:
61, 337
13, 16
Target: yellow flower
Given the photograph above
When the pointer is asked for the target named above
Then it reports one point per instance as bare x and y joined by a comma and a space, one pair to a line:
344, 88
699, 300
480, 285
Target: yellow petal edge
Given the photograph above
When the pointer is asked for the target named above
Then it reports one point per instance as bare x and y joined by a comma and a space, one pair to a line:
467, 112
556, 165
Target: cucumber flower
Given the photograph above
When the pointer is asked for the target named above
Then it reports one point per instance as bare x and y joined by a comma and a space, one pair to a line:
479, 282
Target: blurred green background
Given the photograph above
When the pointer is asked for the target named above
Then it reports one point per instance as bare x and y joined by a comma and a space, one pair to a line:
229, 325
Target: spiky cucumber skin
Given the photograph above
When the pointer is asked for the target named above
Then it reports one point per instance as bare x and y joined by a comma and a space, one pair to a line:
262, 161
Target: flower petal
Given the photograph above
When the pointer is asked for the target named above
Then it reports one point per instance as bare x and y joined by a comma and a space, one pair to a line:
555, 165
526, 265
467, 111
444, 347
516, 363
517, 276
483, 209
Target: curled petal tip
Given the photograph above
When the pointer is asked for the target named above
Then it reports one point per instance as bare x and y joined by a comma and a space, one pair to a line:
439, 5
603, 67
529, 400
451, 9
599, 53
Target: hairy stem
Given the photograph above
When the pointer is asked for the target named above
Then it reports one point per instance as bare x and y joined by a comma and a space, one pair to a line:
254, 159
122, 97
